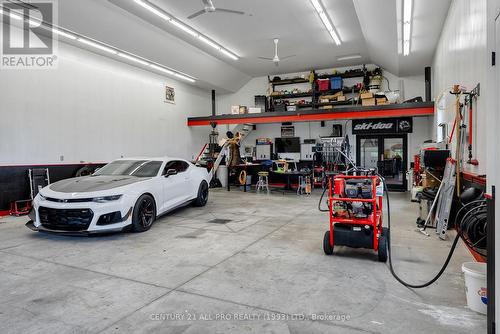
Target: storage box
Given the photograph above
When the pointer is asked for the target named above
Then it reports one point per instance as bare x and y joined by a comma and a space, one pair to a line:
323, 85
254, 110
336, 83
366, 95
368, 102
428, 181
341, 98
381, 100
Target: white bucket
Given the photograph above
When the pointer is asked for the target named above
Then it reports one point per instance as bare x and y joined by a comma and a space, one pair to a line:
475, 286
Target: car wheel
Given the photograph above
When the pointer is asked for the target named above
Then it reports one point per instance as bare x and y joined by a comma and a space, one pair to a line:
144, 214
202, 197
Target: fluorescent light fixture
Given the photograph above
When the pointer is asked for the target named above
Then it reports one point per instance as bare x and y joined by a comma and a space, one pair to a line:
161, 69
97, 46
15, 16
408, 7
317, 5
229, 54
102, 46
186, 28
406, 48
349, 57
184, 77
132, 58
407, 18
326, 21
153, 10
62, 33
209, 42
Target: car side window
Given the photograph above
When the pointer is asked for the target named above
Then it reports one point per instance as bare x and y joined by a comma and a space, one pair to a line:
179, 166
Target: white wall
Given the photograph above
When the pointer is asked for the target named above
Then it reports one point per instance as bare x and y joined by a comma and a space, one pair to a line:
461, 58
92, 109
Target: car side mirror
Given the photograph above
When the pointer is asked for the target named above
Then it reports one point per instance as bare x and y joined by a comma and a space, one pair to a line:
171, 172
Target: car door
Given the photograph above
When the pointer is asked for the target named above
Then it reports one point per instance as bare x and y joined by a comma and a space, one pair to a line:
174, 192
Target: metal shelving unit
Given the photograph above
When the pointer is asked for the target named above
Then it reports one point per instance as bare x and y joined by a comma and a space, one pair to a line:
314, 94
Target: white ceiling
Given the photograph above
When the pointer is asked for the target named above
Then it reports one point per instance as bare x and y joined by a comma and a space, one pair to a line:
366, 27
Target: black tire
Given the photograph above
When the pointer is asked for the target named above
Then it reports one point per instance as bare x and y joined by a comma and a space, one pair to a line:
382, 248
202, 198
327, 248
144, 214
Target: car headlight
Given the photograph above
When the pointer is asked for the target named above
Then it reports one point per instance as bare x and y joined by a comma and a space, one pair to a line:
41, 196
105, 199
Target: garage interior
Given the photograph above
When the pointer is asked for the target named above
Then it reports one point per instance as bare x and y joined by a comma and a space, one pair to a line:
348, 150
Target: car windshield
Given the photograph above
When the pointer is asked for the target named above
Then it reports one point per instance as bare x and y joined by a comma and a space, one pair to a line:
139, 168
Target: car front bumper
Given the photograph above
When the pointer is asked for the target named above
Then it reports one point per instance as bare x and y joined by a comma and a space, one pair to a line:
79, 218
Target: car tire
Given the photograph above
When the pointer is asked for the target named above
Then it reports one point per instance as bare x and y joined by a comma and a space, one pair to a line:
144, 214
202, 197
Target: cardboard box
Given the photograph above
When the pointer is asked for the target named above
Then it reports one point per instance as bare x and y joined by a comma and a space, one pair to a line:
428, 181
254, 110
366, 96
368, 102
342, 98
381, 100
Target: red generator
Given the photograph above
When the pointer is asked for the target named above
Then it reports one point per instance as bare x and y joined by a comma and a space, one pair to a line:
355, 209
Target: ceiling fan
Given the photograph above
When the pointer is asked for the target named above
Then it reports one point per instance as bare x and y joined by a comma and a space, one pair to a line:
276, 59
210, 8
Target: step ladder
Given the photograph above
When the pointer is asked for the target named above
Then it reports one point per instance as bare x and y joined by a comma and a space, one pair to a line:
447, 190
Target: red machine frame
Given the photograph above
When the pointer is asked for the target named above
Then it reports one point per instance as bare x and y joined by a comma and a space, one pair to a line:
375, 219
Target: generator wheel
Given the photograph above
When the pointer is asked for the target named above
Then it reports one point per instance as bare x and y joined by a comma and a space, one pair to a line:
326, 244
382, 248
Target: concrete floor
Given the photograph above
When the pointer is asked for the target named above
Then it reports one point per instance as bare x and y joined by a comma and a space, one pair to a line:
266, 266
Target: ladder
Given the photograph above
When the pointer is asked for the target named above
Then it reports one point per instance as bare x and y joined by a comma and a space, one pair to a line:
244, 129
447, 190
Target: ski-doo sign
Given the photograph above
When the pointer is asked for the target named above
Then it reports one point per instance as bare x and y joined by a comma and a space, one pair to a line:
382, 125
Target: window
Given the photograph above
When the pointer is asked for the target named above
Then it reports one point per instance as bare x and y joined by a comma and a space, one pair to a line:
179, 166
139, 168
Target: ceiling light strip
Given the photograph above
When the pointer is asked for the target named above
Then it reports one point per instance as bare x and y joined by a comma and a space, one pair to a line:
104, 47
326, 21
349, 57
186, 28
407, 18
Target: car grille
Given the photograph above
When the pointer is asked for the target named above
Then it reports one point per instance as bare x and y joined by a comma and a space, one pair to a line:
73, 200
65, 219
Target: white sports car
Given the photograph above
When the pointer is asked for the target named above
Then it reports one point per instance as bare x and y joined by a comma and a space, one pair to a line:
125, 194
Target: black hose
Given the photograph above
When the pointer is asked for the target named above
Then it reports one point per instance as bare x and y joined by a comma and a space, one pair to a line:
320, 200
391, 268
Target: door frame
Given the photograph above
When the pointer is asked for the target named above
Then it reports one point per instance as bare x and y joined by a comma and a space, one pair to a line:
380, 138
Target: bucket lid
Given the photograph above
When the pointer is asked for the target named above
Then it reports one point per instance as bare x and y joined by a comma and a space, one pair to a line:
477, 269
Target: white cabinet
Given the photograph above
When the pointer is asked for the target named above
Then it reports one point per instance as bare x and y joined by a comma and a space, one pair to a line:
306, 152
263, 152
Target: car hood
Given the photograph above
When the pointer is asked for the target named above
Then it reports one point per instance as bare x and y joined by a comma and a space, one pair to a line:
94, 183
